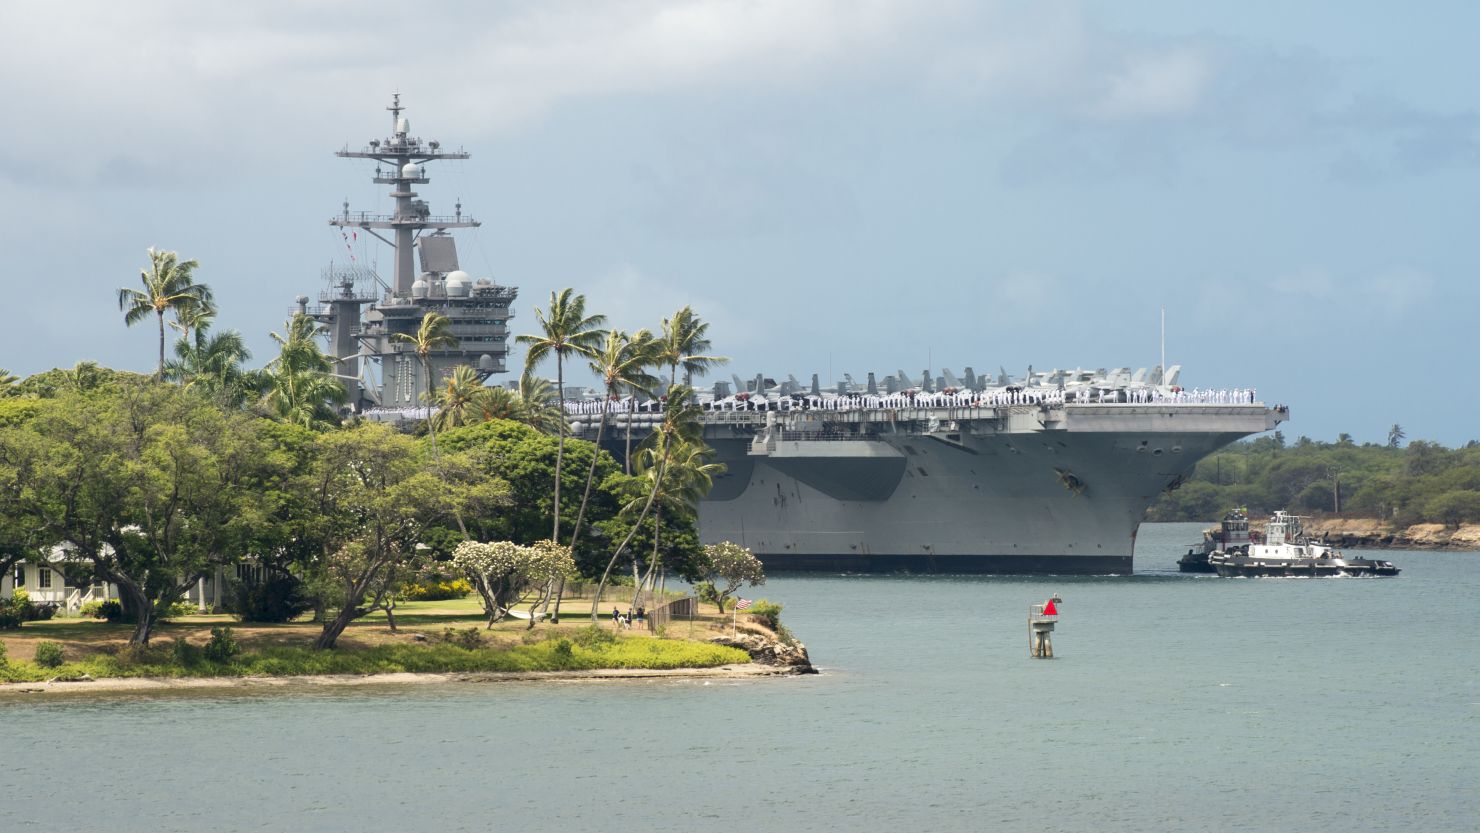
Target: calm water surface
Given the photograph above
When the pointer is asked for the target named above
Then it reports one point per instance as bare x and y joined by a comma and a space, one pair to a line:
1175, 703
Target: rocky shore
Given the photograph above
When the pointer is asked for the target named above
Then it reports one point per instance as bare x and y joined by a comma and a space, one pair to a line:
769, 649
1371, 533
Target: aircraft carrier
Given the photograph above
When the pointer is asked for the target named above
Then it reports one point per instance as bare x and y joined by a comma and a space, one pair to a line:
1048, 472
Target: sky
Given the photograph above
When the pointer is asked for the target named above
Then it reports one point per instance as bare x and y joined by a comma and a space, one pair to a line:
836, 185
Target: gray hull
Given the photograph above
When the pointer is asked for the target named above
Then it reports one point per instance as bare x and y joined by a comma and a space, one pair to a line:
1023, 490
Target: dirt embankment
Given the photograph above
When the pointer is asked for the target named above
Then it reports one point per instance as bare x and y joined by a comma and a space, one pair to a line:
1376, 534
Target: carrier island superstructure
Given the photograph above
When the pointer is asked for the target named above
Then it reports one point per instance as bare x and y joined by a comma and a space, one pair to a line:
363, 313
1049, 472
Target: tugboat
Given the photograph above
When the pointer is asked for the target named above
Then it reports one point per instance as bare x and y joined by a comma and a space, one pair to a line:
1286, 551
1232, 536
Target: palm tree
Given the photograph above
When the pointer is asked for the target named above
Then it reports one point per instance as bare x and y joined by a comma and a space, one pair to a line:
434, 333
682, 343
299, 383
212, 365
566, 331
8, 382
194, 317
621, 363
168, 285
686, 479
680, 422
462, 400
537, 407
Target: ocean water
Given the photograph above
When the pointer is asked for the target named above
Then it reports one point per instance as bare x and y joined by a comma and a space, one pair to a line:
1175, 703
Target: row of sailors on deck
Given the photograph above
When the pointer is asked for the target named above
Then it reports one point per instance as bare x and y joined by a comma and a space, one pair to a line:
942, 399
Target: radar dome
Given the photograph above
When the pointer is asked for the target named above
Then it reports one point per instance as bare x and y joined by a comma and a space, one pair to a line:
419, 288
411, 170
458, 283
485, 362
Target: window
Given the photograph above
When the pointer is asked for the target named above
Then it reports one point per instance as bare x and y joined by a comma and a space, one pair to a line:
43, 577
20, 575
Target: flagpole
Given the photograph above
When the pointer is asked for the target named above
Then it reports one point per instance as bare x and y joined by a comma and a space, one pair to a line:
1163, 346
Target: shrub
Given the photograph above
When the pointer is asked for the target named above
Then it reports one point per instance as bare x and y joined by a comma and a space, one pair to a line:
11, 614
564, 648
469, 638
130, 655
184, 652
594, 637
2, 654
437, 591
109, 609
766, 612
174, 610
42, 612
49, 654
223, 646
281, 598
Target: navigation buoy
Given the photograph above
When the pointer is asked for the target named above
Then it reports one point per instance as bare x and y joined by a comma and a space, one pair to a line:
1041, 620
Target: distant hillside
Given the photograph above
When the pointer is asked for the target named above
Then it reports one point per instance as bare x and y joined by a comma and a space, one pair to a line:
1420, 483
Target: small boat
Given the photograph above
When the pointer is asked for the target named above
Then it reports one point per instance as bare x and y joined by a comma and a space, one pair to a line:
1231, 536
1286, 551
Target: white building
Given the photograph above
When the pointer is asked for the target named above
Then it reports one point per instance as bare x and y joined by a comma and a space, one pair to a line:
46, 584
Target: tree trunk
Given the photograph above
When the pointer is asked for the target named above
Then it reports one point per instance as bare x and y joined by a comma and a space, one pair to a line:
627, 456
333, 628
636, 586
144, 614
652, 562
390, 616
560, 443
647, 507
426, 369
159, 374
575, 534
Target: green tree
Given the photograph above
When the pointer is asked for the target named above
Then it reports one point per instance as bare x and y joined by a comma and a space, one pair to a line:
564, 332
375, 498
169, 285
148, 486
727, 566
505, 574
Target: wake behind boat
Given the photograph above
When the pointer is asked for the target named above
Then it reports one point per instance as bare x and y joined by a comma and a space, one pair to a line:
1286, 551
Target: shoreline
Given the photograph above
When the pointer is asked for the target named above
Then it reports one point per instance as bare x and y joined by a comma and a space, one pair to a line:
1374, 534
150, 685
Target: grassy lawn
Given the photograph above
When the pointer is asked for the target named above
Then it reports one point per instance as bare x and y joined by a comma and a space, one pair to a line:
99, 649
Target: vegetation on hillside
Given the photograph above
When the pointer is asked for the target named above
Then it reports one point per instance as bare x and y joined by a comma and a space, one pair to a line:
1422, 482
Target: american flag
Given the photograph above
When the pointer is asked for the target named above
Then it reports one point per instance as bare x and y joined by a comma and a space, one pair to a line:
741, 604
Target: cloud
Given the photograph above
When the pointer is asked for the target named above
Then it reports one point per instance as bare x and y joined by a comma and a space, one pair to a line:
1390, 293
1164, 84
